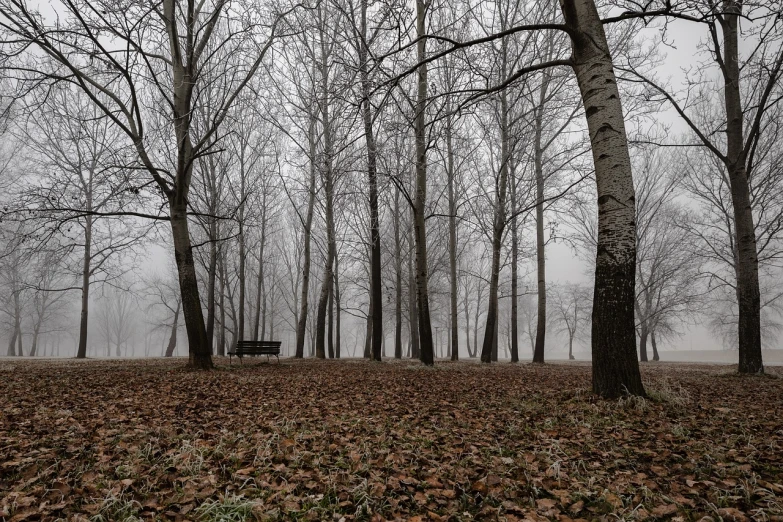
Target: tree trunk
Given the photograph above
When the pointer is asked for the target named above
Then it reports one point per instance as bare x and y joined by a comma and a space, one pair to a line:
328, 180
495, 338
466, 304
615, 367
34, 346
570, 347
18, 325
643, 342
368, 335
476, 321
12, 345
747, 264
656, 357
231, 306
214, 232
211, 277
514, 268
337, 339
260, 283
376, 295
397, 277
426, 354
221, 344
538, 351
413, 313
312, 341
454, 318
81, 351
489, 347
200, 352
301, 327
240, 328
272, 312
173, 337
330, 325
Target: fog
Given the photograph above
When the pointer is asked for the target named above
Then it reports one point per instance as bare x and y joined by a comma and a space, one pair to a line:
307, 188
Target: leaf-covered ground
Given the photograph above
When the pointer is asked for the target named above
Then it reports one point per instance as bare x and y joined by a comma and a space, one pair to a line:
353, 440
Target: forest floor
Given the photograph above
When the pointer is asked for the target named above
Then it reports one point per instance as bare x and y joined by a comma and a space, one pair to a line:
354, 440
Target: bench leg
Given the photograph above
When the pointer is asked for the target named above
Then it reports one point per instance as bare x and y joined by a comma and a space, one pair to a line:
278, 358
229, 359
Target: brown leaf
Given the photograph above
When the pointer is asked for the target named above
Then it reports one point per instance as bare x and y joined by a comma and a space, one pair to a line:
664, 510
732, 515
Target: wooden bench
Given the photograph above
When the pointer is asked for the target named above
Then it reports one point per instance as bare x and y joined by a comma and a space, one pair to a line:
256, 348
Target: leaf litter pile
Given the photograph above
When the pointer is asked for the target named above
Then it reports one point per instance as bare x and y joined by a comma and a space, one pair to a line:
354, 440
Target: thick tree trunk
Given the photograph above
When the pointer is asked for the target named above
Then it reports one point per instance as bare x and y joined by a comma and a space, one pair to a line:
200, 351
173, 336
301, 327
81, 351
426, 354
615, 367
747, 264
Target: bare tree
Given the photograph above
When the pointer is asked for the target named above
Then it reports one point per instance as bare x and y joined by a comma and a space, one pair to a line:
118, 58
745, 113
162, 293
83, 177
117, 318
572, 310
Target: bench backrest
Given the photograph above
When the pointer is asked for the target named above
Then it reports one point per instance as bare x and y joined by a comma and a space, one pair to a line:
258, 345
270, 344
